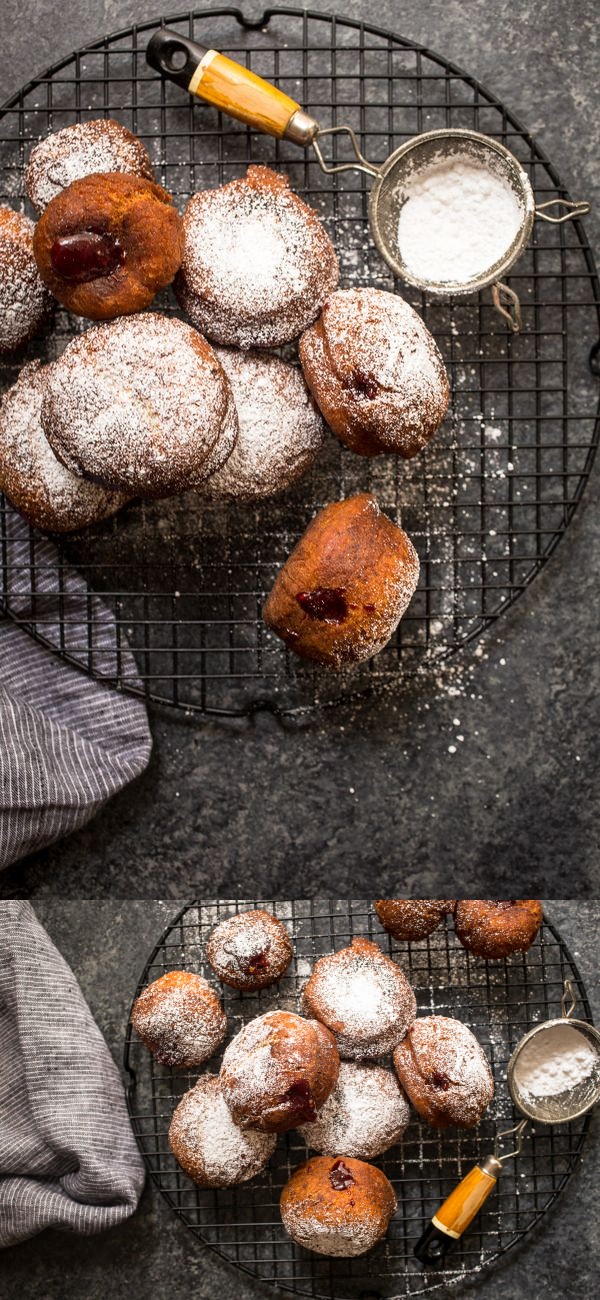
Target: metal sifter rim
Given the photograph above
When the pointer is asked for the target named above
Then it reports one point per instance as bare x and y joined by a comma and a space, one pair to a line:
517, 178
590, 1033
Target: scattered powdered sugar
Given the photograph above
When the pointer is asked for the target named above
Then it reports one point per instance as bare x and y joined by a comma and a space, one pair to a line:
46, 493
25, 303
83, 149
363, 998
210, 1148
257, 263
442, 1056
554, 1061
375, 371
457, 219
365, 1114
280, 430
142, 404
180, 1019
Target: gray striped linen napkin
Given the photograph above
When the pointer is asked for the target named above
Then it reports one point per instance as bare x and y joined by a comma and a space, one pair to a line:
67, 743
68, 1157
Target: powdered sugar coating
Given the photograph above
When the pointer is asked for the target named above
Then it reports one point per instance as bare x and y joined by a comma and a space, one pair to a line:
180, 1019
279, 1065
210, 1148
413, 918
363, 997
445, 1072
375, 372
365, 1114
140, 403
495, 928
102, 145
281, 431
257, 263
250, 951
25, 303
38, 485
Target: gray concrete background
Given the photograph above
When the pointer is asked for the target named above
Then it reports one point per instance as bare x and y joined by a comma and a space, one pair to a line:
251, 808
154, 1257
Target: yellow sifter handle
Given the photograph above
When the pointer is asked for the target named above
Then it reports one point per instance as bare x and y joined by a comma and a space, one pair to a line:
229, 86
458, 1211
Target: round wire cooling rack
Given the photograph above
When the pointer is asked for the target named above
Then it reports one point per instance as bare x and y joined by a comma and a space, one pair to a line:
499, 1001
486, 503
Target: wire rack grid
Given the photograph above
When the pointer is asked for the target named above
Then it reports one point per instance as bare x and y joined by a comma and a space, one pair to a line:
499, 1001
487, 502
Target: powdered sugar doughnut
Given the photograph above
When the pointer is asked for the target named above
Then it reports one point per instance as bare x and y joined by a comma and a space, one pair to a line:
250, 951
102, 145
25, 303
495, 928
278, 1071
36, 483
413, 918
140, 404
257, 263
363, 997
210, 1148
179, 1018
337, 1206
365, 1114
375, 372
343, 590
281, 430
445, 1072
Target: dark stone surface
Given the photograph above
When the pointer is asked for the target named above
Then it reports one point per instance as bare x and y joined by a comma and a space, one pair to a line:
153, 1255
349, 796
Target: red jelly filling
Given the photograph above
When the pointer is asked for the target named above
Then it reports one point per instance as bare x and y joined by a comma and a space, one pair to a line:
85, 256
365, 383
255, 963
439, 1080
328, 604
340, 1176
301, 1102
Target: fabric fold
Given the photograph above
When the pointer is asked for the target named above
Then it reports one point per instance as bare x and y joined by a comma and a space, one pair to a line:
67, 742
68, 1156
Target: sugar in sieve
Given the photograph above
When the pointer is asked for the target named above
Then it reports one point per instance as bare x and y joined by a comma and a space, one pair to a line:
550, 1107
240, 93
